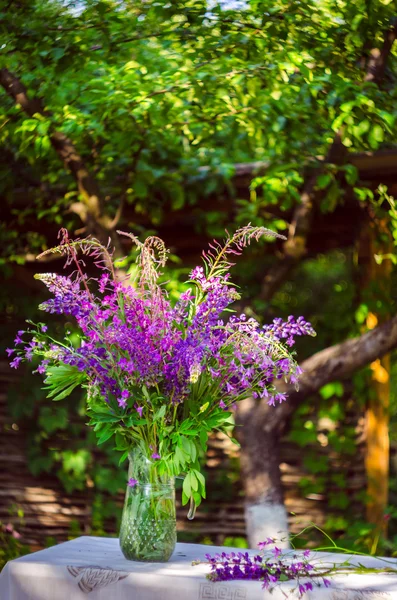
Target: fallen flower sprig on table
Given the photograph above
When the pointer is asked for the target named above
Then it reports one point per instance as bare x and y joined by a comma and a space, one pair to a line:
270, 570
276, 566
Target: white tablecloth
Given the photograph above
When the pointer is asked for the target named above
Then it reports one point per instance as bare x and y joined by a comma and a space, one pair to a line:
91, 568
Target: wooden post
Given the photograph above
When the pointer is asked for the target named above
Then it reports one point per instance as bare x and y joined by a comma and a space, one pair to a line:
377, 455
373, 275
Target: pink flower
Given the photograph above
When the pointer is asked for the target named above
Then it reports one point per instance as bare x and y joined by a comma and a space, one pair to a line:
132, 482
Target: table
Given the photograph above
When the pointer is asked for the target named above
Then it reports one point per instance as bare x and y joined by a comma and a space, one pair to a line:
92, 568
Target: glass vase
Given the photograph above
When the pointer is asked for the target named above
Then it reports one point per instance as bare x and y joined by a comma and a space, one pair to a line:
148, 524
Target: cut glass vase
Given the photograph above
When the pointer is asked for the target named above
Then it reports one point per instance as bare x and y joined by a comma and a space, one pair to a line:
148, 524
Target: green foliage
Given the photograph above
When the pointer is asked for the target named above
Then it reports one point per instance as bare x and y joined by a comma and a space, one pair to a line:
163, 90
61, 380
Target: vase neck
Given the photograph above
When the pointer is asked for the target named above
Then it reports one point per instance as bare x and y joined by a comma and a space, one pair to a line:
146, 471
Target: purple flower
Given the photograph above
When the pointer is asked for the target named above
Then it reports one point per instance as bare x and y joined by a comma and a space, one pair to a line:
10, 351
103, 281
222, 405
197, 274
44, 328
276, 552
326, 582
42, 367
186, 296
16, 362
132, 482
156, 456
268, 541
289, 329
306, 553
122, 402
139, 409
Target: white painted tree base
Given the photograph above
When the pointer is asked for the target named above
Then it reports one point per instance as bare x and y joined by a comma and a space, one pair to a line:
264, 521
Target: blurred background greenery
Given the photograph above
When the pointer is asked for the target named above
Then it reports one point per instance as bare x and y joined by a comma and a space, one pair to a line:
184, 118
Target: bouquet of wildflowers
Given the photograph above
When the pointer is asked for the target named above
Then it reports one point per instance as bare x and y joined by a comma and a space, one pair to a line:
158, 376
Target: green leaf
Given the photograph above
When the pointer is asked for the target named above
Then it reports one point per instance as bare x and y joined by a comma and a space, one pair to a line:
232, 439
193, 481
324, 180
145, 392
63, 394
332, 389
375, 136
186, 487
203, 438
177, 196
121, 441
160, 413
180, 456
185, 445
140, 188
102, 417
196, 498
362, 128
200, 477
193, 450
351, 174
106, 434
123, 457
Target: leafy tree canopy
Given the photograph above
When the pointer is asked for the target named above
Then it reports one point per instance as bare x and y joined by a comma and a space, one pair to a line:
149, 92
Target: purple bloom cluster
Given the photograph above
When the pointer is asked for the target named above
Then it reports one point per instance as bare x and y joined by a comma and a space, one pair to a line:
68, 299
270, 570
133, 338
141, 342
289, 329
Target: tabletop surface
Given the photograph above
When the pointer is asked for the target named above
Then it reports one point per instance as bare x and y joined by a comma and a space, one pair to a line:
91, 568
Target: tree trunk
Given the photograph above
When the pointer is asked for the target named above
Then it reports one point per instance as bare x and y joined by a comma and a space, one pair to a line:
264, 424
265, 513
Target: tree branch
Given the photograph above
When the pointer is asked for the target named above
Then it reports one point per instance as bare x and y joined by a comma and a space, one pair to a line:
378, 58
94, 216
333, 363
